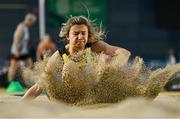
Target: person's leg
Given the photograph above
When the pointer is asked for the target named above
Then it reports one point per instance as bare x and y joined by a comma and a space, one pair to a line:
28, 62
12, 69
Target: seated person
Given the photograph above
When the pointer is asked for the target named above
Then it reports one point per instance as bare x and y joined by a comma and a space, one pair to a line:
45, 47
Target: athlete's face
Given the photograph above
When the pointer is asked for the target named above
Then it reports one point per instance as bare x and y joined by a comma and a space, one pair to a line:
78, 36
31, 21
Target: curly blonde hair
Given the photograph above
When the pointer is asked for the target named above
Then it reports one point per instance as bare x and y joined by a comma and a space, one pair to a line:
94, 33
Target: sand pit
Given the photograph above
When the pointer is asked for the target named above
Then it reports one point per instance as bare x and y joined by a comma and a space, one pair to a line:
166, 105
98, 98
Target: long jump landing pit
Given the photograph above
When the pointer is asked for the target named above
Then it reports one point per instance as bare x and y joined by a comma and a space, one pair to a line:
166, 105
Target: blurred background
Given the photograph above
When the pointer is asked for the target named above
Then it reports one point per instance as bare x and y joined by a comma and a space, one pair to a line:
148, 28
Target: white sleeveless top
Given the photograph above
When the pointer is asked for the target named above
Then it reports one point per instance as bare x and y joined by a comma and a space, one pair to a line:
23, 46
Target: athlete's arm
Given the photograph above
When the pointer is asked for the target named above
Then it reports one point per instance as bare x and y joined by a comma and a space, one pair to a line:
54, 63
101, 46
38, 55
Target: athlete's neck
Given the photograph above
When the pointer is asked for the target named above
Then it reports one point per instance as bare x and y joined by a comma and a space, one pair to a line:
73, 50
